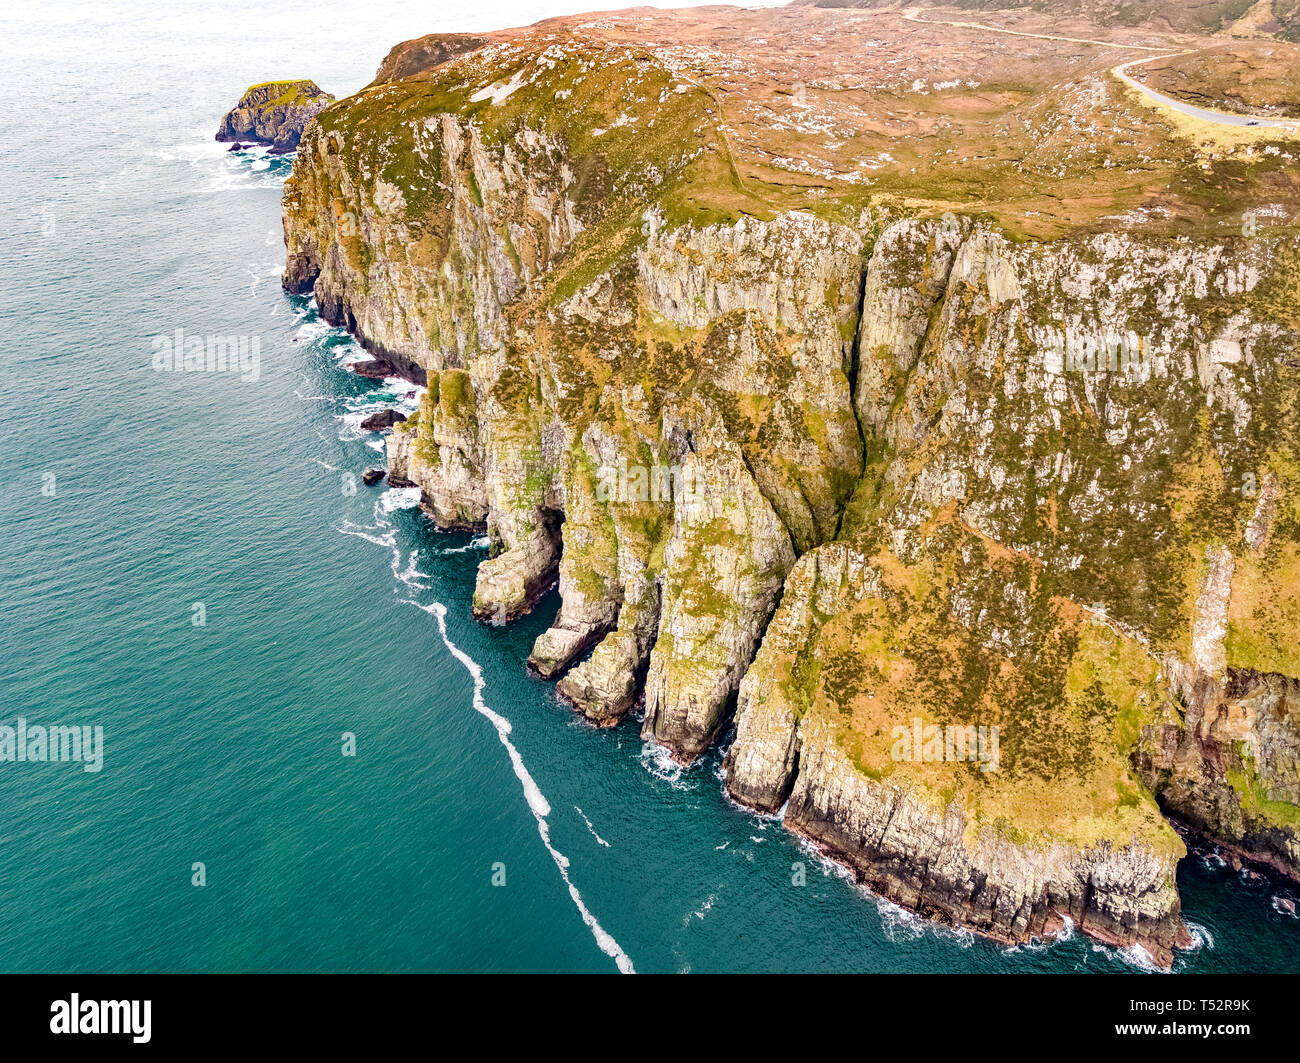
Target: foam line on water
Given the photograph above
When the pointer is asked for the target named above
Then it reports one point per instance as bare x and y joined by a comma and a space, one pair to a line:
382, 533
536, 801
590, 827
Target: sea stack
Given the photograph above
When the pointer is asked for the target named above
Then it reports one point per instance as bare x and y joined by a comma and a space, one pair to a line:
274, 113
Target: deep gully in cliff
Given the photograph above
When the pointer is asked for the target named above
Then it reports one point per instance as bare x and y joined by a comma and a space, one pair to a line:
855, 363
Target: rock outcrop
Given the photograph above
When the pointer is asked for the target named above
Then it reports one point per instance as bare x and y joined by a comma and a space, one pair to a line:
931, 860
425, 53
1230, 767
274, 113
991, 544
377, 422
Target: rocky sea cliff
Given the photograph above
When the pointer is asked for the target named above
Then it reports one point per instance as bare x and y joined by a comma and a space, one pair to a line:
988, 544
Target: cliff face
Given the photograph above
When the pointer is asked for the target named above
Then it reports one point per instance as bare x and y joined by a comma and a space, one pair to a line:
931, 859
1229, 767
992, 544
1070, 554
274, 113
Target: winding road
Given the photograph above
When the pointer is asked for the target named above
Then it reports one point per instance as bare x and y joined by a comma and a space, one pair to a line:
1204, 114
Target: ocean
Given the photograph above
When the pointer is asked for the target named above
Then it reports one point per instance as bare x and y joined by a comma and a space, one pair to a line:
191, 563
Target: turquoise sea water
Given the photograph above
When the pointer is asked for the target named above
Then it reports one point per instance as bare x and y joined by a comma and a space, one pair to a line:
123, 221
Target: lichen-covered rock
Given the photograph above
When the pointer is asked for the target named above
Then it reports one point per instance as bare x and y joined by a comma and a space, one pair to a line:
275, 113
1044, 539
963, 746
1229, 767
724, 566
761, 762
905, 280
425, 53
606, 686
438, 449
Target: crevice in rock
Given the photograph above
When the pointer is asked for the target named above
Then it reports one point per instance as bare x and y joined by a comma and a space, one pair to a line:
855, 363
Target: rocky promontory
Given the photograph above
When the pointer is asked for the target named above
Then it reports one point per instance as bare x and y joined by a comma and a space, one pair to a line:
942, 434
274, 113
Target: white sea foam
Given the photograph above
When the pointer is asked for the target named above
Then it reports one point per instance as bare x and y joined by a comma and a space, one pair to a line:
399, 498
590, 827
763, 818
1136, 956
225, 170
902, 924
313, 330
370, 535
479, 543
829, 865
898, 923
701, 911
260, 272
350, 426
405, 571
1041, 944
412, 576
1253, 879
1201, 936
660, 763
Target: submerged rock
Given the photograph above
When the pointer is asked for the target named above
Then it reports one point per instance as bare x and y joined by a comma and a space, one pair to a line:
274, 113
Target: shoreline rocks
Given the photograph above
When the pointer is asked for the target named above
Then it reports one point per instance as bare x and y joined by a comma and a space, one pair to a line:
386, 368
928, 862
377, 422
